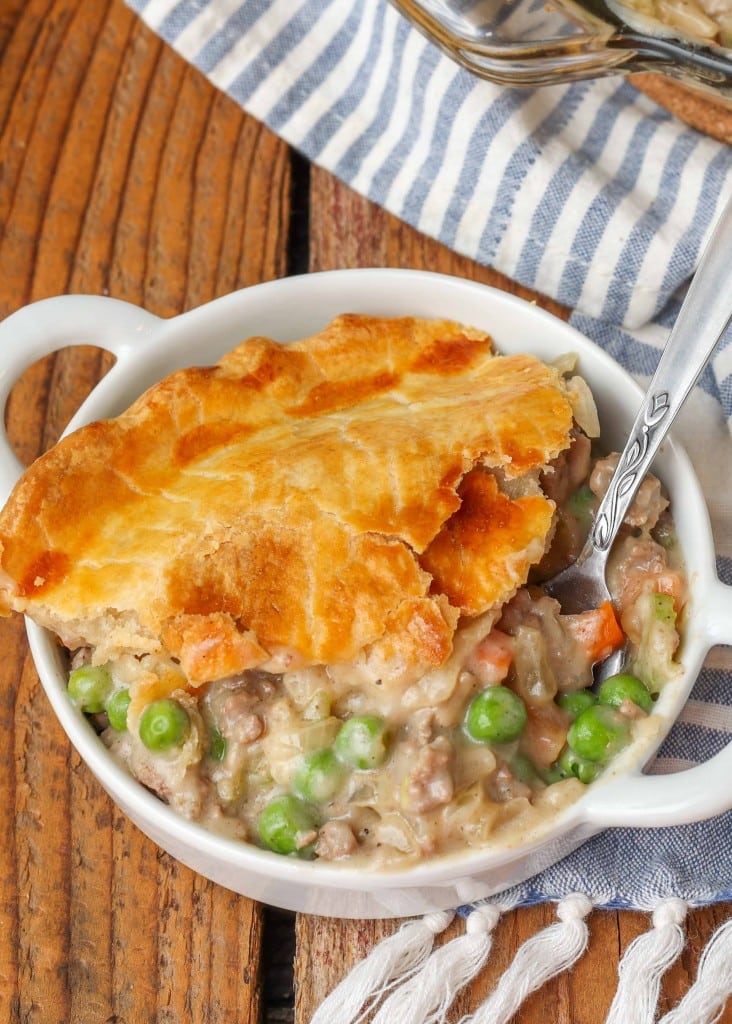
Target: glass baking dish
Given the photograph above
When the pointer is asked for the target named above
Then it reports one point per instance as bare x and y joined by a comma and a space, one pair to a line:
535, 42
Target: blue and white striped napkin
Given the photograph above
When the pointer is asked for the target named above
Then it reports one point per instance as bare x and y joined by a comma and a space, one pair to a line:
589, 193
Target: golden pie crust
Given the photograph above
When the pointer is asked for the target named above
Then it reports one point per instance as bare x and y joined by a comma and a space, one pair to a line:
301, 502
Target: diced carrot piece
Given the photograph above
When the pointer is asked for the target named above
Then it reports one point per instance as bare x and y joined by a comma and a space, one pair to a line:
668, 582
597, 631
671, 583
491, 659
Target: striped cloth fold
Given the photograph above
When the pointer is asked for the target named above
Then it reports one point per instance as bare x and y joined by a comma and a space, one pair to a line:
588, 193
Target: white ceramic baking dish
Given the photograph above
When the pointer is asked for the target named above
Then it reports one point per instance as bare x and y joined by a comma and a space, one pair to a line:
147, 348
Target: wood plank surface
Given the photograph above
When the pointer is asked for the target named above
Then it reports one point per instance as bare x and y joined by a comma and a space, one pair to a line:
123, 172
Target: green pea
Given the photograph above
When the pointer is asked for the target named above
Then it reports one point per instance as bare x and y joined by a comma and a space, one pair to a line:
361, 742
553, 774
524, 769
89, 686
582, 504
496, 715
581, 768
164, 724
598, 733
286, 825
665, 534
116, 708
625, 686
216, 746
664, 609
319, 776
576, 702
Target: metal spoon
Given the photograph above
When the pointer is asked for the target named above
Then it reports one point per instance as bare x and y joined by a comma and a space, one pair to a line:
703, 318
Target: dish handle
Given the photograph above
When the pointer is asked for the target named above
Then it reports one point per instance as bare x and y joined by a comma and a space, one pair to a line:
51, 324
679, 798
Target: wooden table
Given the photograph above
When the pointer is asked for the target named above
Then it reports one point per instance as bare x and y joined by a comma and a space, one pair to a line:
123, 172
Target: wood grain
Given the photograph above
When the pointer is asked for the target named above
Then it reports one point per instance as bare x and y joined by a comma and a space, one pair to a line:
124, 173
699, 108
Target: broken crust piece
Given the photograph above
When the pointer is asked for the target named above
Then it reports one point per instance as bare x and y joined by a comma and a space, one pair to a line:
484, 551
291, 498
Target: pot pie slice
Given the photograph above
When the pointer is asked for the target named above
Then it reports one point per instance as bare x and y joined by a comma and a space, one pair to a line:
356, 491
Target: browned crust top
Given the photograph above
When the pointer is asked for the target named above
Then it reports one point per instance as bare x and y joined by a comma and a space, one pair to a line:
285, 497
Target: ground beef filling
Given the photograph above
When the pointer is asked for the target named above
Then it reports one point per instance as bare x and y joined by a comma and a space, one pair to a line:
323, 763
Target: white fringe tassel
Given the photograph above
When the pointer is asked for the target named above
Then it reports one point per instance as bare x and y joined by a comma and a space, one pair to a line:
418, 984
645, 962
427, 996
705, 1001
540, 958
393, 961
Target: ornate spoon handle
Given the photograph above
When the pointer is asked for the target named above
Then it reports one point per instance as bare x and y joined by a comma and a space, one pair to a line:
703, 318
